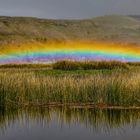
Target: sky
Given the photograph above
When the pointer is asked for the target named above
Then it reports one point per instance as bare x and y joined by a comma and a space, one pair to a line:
68, 9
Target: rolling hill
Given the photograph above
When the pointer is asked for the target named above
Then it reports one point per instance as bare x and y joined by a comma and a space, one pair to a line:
125, 29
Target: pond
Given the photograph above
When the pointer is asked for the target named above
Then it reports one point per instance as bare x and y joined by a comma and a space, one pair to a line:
65, 123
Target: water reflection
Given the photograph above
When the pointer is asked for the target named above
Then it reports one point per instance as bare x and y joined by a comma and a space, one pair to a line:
96, 119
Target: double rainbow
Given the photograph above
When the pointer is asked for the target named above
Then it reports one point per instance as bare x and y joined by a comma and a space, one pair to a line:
76, 50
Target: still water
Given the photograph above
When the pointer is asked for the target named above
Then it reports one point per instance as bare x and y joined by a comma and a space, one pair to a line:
69, 124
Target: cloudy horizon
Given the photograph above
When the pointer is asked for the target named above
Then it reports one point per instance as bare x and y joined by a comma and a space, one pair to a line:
68, 9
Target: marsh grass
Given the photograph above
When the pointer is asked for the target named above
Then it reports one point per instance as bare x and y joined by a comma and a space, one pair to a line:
133, 64
25, 66
76, 65
87, 65
27, 88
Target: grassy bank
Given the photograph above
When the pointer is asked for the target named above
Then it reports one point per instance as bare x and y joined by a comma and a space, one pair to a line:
21, 87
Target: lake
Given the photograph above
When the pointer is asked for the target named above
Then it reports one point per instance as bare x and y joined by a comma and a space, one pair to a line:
65, 123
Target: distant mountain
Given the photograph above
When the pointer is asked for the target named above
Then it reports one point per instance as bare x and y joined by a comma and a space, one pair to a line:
137, 17
115, 28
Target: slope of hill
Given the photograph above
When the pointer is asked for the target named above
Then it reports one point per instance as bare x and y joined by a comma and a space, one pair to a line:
107, 28
137, 17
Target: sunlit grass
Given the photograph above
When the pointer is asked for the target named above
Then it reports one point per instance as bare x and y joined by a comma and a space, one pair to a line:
26, 88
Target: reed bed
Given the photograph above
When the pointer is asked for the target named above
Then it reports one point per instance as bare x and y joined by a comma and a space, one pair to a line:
26, 88
76, 65
87, 65
25, 66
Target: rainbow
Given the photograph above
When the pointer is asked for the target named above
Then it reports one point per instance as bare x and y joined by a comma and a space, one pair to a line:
76, 50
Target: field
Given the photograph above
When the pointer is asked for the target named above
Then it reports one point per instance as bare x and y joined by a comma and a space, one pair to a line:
28, 85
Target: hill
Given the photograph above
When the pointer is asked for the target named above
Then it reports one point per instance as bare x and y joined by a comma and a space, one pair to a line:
113, 28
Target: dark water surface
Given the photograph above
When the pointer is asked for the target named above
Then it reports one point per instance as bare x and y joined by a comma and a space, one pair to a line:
69, 124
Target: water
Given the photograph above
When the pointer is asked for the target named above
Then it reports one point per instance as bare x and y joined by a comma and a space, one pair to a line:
69, 124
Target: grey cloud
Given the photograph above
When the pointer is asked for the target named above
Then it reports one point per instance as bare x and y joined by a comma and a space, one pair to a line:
68, 8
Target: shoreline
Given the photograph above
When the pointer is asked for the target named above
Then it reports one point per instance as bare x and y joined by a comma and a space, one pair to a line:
73, 105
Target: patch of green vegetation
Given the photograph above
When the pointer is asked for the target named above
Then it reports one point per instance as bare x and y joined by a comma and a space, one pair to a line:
72, 72
89, 65
26, 66
66, 65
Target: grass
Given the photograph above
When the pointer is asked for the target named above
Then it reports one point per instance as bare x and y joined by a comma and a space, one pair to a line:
25, 66
67, 65
87, 65
100, 88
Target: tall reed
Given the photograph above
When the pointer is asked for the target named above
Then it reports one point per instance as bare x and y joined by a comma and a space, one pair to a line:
119, 88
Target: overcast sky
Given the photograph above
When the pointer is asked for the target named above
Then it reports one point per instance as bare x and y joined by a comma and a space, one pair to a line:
68, 9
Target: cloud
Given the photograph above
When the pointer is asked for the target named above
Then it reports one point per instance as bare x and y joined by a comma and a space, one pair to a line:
68, 8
